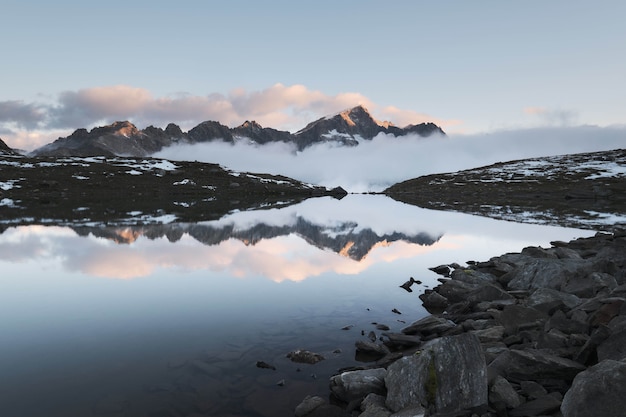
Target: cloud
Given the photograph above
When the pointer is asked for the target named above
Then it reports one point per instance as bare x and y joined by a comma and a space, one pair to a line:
279, 106
385, 160
20, 114
553, 117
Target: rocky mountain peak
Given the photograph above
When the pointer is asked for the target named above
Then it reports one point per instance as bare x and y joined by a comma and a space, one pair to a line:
251, 125
5, 149
356, 115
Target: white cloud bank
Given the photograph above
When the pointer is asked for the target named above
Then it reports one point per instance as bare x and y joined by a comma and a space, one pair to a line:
377, 164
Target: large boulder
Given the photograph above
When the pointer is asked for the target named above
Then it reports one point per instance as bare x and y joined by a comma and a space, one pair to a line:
449, 374
532, 364
547, 273
356, 385
598, 391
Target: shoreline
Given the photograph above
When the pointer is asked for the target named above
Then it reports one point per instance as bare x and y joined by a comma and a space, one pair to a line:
533, 333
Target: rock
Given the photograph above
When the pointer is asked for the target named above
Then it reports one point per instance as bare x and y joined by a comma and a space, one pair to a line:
355, 385
449, 374
441, 270
265, 365
597, 391
547, 273
407, 285
472, 276
305, 356
614, 347
590, 285
502, 391
374, 406
428, 325
542, 296
371, 349
492, 334
433, 301
516, 317
488, 292
309, 404
532, 390
542, 406
532, 364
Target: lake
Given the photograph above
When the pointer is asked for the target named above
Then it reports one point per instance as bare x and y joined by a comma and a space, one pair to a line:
171, 319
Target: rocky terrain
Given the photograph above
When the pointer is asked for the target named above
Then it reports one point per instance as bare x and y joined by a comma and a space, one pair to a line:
536, 333
117, 190
585, 190
123, 138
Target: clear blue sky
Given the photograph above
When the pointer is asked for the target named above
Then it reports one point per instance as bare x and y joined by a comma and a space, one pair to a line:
471, 66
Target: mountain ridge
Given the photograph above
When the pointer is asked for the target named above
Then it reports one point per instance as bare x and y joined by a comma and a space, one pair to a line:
346, 128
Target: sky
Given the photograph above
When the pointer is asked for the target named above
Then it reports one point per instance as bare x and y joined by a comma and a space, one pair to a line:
471, 67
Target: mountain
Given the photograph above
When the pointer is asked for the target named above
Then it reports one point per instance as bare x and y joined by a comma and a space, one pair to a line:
348, 126
6, 150
584, 190
123, 138
341, 239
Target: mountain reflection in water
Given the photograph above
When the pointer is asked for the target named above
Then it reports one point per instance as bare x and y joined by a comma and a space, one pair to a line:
208, 300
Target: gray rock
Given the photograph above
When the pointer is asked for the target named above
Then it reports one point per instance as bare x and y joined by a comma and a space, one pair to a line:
372, 349
531, 364
455, 291
488, 292
548, 295
472, 276
598, 391
307, 405
414, 411
532, 389
542, 406
374, 406
502, 391
433, 301
547, 273
356, 385
449, 374
428, 325
305, 356
516, 317
489, 335
590, 285
614, 347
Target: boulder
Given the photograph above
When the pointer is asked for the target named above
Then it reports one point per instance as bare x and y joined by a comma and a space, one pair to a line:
547, 273
614, 347
598, 391
428, 326
374, 406
448, 374
532, 364
309, 404
502, 391
541, 406
356, 385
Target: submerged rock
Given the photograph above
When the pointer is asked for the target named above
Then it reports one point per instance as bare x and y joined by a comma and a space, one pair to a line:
305, 356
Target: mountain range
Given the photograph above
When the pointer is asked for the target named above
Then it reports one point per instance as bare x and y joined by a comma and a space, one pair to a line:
346, 128
343, 239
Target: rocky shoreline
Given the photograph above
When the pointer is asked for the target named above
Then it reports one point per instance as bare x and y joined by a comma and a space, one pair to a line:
536, 333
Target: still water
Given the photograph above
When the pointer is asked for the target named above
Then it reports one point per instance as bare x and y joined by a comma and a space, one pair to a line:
170, 319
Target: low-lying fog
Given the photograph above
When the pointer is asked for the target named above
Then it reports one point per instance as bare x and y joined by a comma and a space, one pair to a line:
386, 160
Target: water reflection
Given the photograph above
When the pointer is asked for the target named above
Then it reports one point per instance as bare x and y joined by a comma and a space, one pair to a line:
213, 299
